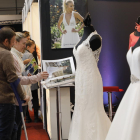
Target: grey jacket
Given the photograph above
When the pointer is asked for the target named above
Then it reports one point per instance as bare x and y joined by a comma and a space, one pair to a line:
28, 55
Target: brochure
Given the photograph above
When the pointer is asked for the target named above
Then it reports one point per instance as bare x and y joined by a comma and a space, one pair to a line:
61, 72
32, 67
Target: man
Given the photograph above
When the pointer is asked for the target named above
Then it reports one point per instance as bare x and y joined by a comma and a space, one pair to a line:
7, 76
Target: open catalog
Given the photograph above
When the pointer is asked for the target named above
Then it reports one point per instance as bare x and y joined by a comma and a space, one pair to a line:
61, 72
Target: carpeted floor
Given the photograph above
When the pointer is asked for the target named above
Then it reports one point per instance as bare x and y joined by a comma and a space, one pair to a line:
35, 131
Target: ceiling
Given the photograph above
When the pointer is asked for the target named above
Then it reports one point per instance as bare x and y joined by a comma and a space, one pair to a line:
11, 7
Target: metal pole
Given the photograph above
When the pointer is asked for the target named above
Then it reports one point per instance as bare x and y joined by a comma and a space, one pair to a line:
22, 116
59, 114
110, 105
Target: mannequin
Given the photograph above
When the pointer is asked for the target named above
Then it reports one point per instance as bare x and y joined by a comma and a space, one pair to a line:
134, 40
95, 41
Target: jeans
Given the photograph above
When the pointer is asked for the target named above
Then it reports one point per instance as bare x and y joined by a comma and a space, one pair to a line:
7, 121
18, 120
16, 135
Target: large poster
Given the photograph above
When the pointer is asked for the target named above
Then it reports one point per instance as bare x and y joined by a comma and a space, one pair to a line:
65, 22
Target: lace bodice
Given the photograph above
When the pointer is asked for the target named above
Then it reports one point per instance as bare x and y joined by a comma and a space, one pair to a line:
97, 52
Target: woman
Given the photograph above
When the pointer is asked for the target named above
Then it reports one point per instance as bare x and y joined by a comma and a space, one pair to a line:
36, 53
28, 54
70, 35
17, 50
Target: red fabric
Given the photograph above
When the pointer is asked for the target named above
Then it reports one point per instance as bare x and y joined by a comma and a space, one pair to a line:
133, 40
111, 89
35, 131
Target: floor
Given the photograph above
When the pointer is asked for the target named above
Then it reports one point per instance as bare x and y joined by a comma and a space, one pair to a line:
35, 131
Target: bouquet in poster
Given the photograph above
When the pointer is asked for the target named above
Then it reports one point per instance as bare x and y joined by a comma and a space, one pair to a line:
32, 67
61, 72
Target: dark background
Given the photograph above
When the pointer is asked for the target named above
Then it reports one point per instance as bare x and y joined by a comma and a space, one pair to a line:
114, 21
15, 27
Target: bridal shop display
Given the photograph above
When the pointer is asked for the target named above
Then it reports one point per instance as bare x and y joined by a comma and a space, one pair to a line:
82, 65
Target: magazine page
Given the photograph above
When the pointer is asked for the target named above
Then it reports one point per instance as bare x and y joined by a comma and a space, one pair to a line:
31, 68
61, 71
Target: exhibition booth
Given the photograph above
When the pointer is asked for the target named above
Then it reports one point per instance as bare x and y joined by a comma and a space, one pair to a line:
114, 21
31, 23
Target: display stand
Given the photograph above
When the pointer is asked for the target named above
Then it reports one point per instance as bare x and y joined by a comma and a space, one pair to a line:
59, 124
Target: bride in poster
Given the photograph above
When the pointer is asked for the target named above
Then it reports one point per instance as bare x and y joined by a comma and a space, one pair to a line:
70, 35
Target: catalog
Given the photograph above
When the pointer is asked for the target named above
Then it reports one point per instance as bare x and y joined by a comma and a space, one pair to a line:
31, 68
61, 72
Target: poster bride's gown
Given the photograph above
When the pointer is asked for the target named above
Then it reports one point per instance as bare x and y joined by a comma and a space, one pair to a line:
126, 124
70, 39
89, 121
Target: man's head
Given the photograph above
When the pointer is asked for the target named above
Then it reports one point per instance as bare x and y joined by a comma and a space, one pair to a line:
7, 37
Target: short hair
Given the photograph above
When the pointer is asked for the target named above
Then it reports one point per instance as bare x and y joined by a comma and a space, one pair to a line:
19, 36
26, 33
30, 43
6, 33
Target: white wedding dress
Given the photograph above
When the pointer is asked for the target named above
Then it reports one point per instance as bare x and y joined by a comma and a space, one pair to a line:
70, 39
89, 121
126, 123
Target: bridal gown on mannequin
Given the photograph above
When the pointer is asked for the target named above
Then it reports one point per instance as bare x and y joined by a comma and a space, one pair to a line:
89, 121
126, 123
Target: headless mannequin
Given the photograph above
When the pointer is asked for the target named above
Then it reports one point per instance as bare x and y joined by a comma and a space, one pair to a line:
136, 33
95, 41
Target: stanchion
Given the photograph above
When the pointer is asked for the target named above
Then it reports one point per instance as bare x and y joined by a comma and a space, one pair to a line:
58, 114
110, 105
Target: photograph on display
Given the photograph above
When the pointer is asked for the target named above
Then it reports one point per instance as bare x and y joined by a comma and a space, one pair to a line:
32, 67
60, 71
66, 30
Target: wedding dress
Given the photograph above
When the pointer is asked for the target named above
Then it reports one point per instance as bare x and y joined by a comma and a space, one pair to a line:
70, 39
126, 123
89, 121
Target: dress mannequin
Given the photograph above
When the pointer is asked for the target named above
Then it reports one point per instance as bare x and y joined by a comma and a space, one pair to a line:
95, 41
134, 40
136, 33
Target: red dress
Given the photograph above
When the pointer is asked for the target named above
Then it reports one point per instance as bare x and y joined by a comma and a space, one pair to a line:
133, 40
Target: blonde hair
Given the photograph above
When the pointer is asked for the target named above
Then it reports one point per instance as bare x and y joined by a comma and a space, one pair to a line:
65, 3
